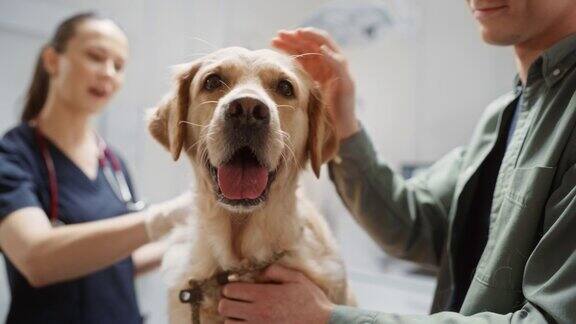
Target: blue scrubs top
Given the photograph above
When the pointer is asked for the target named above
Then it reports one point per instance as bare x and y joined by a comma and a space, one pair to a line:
106, 296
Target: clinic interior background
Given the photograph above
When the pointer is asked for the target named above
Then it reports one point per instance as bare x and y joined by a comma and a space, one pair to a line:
421, 88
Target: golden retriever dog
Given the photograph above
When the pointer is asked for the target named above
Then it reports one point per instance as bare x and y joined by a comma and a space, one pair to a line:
249, 122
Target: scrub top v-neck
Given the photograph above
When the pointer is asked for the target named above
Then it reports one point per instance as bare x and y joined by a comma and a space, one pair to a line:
106, 296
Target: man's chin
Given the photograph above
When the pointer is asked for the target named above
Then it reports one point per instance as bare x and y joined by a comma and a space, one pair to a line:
499, 38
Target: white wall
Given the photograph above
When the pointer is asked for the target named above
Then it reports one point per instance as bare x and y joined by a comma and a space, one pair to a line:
459, 76
420, 96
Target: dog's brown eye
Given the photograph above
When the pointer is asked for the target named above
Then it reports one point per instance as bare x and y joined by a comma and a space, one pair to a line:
213, 82
285, 88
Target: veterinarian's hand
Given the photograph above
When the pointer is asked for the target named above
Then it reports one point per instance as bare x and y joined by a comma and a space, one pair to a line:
161, 218
292, 298
322, 58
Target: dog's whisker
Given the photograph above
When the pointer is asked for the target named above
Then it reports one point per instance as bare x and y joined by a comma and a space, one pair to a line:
214, 47
201, 148
289, 106
283, 159
203, 154
192, 146
281, 132
305, 54
286, 136
209, 134
204, 103
193, 55
287, 143
289, 146
224, 83
190, 123
207, 102
293, 156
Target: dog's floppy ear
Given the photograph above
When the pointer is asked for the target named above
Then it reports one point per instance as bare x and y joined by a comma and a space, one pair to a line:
165, 124
322, 138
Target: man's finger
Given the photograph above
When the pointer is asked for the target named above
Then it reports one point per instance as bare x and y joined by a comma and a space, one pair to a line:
235, 310
243, 291
287, 47
335, 59
233, 321
303, 45
281, 274
319, 37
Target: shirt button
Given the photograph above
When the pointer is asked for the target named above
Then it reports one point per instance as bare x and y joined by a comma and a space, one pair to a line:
337, 159
556, 72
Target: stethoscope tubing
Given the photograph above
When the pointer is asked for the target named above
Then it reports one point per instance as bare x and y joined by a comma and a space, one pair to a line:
110, 165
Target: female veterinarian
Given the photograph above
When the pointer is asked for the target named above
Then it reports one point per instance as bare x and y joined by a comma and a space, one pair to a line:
56, 170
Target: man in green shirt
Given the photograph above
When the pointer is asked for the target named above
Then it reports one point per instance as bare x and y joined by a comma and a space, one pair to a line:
498, 216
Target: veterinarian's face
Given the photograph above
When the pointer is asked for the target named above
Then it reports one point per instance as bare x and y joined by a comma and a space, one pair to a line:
509, 22
248, 123
91, 68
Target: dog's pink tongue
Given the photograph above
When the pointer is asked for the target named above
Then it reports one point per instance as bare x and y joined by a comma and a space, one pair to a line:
242, 180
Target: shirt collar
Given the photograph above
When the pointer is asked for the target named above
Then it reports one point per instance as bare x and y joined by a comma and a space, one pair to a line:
552, 64
518, 87
558, 59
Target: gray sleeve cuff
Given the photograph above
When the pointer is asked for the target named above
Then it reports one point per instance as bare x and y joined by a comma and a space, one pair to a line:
351, 315
356, 153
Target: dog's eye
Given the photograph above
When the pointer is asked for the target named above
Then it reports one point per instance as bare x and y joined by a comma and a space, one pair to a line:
213, 82
285, 88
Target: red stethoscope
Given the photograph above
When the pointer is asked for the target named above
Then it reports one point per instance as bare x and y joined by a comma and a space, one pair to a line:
106, 160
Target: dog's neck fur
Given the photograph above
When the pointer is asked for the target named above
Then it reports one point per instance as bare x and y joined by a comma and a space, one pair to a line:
224, 231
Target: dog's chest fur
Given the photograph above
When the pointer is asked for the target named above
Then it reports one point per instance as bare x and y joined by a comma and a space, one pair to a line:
218, 241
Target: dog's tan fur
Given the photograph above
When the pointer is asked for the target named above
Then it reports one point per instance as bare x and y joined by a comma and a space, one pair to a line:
222, 237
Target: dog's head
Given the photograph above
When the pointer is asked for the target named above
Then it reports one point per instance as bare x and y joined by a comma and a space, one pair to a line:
246, 119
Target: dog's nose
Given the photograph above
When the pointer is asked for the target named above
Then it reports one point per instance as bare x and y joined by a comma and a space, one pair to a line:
248, 110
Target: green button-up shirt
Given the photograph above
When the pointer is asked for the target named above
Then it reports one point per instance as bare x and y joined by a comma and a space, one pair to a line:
527, 272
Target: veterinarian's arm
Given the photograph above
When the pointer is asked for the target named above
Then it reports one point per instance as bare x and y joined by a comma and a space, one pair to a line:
47, 255
408, 219
148, 257
549, 283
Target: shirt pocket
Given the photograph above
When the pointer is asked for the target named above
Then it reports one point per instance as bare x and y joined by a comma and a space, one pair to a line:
515, 228
530, 187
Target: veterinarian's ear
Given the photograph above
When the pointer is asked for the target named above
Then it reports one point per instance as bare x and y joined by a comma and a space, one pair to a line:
322, 138
165, 124
50, 60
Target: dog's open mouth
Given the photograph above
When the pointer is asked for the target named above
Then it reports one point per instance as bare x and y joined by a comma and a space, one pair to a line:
243, 180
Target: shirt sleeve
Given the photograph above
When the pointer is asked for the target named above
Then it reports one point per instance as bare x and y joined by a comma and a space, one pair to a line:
17, 187
407, 218
549, 284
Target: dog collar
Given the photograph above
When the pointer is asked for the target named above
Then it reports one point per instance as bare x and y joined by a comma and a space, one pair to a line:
194, 294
